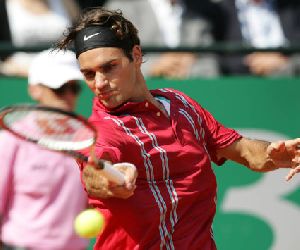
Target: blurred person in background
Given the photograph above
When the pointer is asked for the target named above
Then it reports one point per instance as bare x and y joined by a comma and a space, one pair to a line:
40, 190
32, 23
171, 23
261, 24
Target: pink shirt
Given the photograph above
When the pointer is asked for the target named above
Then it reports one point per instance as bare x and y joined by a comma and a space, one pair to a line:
174, 203
40, 194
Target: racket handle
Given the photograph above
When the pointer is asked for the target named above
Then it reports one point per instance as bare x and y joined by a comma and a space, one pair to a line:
110, 172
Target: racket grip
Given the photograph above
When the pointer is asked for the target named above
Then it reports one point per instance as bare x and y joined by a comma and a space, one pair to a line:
111, 173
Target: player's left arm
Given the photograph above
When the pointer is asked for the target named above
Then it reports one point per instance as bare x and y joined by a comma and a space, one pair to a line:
263, 156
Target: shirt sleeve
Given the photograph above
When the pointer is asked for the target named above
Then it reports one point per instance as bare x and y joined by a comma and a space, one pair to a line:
215, 134
108, 153
8, 152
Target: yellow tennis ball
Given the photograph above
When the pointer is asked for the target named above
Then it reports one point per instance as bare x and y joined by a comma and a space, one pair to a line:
89, 223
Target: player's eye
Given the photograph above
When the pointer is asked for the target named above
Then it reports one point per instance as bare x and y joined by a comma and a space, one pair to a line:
89, 75
108, 67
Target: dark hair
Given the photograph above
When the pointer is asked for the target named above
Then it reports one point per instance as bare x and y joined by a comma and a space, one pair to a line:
100, 16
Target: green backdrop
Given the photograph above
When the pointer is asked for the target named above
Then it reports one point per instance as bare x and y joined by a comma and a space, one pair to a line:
255, 211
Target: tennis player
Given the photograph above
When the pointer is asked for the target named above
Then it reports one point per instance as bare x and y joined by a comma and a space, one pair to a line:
170, 201
40, 190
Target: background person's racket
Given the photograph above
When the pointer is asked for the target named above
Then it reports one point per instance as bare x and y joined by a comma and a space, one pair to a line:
56, 130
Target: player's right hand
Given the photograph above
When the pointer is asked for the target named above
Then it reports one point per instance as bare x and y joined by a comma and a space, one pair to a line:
99, 186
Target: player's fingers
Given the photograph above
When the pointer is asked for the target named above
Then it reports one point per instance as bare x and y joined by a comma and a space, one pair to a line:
98, 191
96, 184
130, 174
292, 173
293, 147
295, 143
278, 146
296, 161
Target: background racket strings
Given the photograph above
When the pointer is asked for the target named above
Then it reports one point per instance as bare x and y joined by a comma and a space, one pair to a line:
51, 129
57, 130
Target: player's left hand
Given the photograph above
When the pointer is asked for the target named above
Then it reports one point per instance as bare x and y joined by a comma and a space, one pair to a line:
286, 154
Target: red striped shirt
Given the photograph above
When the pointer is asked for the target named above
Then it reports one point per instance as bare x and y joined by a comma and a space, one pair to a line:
175, 200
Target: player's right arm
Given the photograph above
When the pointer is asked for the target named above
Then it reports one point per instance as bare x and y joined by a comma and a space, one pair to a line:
99, 186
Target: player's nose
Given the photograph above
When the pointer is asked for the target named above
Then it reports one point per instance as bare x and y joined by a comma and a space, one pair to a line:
100, 80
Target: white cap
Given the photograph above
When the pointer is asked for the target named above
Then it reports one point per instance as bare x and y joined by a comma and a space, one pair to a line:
54, 68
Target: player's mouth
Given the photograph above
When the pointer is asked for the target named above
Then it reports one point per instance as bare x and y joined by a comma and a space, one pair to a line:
105, 95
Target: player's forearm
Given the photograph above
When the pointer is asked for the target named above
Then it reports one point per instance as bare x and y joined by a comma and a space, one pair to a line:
250, 153
256, 156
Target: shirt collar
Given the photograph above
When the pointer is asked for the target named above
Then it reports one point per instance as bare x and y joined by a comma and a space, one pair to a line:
129, 107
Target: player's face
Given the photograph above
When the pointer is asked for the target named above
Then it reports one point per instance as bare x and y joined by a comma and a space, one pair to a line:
111, 75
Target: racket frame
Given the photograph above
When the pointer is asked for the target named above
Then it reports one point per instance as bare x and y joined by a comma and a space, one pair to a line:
111, 173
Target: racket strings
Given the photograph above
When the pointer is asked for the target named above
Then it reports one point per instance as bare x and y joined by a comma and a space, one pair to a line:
50, 129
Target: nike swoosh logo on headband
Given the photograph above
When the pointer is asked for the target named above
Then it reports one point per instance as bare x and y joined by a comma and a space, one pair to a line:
85, 38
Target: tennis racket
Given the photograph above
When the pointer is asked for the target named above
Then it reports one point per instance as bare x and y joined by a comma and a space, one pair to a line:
56, 130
